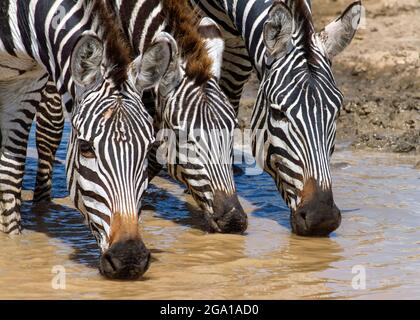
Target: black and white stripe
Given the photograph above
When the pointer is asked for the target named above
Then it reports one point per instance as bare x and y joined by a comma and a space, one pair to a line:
107, 163
183, 106
294, 118
49, 131
93, 74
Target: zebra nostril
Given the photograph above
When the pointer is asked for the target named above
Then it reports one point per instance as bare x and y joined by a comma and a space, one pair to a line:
109, 264
234, 221
301, 220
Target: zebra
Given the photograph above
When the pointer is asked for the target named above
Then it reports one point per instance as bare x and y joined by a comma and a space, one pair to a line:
100, 84
293, 122
194, 106
190, 103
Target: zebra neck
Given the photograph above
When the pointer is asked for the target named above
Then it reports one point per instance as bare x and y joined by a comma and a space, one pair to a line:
139, 20
248, 17
48, 36
47, 30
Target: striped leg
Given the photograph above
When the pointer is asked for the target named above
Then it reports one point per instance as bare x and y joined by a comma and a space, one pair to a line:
236, 69
154, 167
12, 167
49, 130
17, 110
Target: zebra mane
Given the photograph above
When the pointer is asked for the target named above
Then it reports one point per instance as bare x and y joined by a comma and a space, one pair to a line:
301, 10
117, 51
183, 20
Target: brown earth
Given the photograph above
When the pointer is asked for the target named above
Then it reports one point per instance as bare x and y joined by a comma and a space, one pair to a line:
379, 75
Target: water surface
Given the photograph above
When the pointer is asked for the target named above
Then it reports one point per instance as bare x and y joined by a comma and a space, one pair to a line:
379, 195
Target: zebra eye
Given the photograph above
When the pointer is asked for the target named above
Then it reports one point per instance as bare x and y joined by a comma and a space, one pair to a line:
279, 115
86, 149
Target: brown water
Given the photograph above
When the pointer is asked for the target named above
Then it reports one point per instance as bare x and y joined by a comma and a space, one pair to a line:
378, 195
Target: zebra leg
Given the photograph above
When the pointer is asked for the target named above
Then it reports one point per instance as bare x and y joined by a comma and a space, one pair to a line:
17, 110
49, 131
236, 69
154, 167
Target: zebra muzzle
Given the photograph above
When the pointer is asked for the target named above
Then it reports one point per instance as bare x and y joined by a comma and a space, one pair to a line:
229, 216
125, 260
317, 215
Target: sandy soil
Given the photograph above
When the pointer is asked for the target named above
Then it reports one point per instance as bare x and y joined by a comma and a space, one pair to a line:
378, 74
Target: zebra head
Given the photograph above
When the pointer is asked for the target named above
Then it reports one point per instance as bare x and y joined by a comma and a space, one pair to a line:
201, 122
106, 162
294, 120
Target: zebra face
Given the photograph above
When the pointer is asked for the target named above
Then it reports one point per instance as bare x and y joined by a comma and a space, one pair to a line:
110, 140
200, 151
200, 123
107, 156
294, 137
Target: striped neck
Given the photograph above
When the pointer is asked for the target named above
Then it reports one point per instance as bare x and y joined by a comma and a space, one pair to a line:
51, 43
248, 18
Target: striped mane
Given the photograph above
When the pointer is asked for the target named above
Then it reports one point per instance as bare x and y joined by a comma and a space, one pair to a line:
117, 51
301, 10
182, 19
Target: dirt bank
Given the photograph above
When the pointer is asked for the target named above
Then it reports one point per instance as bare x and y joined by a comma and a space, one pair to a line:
379, 75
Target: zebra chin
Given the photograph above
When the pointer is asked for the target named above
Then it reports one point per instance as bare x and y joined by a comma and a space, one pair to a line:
317, 214
228, 216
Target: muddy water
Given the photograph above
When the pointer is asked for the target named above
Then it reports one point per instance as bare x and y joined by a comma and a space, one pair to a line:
379, 195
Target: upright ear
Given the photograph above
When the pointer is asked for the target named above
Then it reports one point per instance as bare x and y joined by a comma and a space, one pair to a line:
278, 29
86, 59
337, 35
156, 64
210, 32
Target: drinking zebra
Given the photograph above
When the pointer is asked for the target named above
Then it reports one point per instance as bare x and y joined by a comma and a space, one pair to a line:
78, 44
294, 118
190, 105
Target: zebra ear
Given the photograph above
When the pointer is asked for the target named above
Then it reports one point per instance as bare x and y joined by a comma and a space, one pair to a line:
210, 32
86, 59
278, 29
172, 76
337, 35
149, 68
